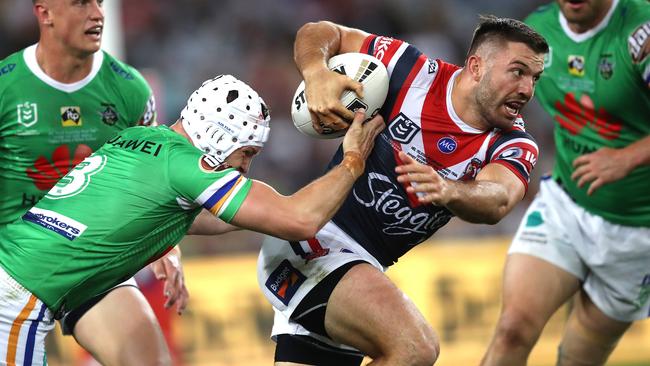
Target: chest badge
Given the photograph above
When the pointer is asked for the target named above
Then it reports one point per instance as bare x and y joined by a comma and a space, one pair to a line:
606, 66
402, 129
109, 114
27, 113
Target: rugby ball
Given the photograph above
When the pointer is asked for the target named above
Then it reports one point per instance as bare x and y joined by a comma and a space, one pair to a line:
362, 68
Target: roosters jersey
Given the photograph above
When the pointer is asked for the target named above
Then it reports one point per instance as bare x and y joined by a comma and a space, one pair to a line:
47, 127
379, 214
104, 220
596, 87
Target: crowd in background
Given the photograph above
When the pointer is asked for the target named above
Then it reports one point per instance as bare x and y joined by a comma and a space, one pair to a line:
177, 45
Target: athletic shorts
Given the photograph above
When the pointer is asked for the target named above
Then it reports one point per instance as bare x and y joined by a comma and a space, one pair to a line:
70, 318
611, 260
24, 323
287, 272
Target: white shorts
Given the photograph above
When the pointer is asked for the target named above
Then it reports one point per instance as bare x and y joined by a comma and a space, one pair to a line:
612, 261
285, 277
24, 323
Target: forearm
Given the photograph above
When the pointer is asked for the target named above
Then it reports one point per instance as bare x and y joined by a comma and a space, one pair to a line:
482, 202
317, 202
315, 44
638, 153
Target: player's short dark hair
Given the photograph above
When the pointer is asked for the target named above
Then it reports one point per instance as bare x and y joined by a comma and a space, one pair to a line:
491, 27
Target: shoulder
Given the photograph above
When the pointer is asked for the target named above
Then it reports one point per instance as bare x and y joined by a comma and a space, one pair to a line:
11, 68
543, 15
125, 74
635, 15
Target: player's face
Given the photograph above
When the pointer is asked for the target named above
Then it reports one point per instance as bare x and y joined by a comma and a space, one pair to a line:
584, 13
242, 158
508, 83
77, 24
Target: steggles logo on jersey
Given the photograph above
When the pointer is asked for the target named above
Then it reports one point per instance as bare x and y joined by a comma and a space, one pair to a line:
638, 43
27, 113
109, 114
398, 217
402, 129
575, 115
576, 65
45, 173
606, 66
71, 116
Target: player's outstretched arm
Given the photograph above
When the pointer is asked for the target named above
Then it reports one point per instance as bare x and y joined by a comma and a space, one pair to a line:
486, 200
607, 165
301, 215
206, 224
315, 44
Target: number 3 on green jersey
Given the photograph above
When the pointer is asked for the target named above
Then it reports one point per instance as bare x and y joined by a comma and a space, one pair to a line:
78, 178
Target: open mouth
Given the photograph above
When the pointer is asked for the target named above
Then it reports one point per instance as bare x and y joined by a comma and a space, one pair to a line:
513, 108
94, 31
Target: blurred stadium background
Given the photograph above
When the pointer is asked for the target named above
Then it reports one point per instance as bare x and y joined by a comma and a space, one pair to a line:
454, 278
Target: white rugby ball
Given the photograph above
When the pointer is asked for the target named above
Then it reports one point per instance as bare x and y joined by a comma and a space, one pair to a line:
362, 68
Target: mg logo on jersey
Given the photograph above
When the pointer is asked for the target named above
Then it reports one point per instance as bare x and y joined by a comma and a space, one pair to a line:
447, 145
27, 113
576, 65
71, 116
402, 129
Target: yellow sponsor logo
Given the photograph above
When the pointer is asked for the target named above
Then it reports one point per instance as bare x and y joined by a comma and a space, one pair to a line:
71, 116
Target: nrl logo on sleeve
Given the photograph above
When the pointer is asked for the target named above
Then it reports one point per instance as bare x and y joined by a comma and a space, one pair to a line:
27, 113
210, 164
71, 116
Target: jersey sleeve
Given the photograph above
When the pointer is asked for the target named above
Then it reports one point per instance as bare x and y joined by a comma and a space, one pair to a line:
638, 42
516, 150
197, 178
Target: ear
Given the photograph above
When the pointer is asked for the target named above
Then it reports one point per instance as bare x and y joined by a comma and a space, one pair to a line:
475, 65
42, 13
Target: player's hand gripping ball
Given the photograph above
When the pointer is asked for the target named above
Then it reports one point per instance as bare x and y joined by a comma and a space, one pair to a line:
360, 67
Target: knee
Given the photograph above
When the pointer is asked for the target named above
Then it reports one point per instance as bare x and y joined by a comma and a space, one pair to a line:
517, 330
423, 350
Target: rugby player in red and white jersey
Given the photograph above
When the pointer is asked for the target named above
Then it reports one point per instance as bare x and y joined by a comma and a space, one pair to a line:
454, 145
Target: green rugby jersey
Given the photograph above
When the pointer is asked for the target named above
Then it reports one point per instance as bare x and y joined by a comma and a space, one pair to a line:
47, 127
119, 209
596, 87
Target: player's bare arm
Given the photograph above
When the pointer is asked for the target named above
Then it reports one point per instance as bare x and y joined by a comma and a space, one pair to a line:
487, 199
206, 224
301, 215
607, 165
315, 44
